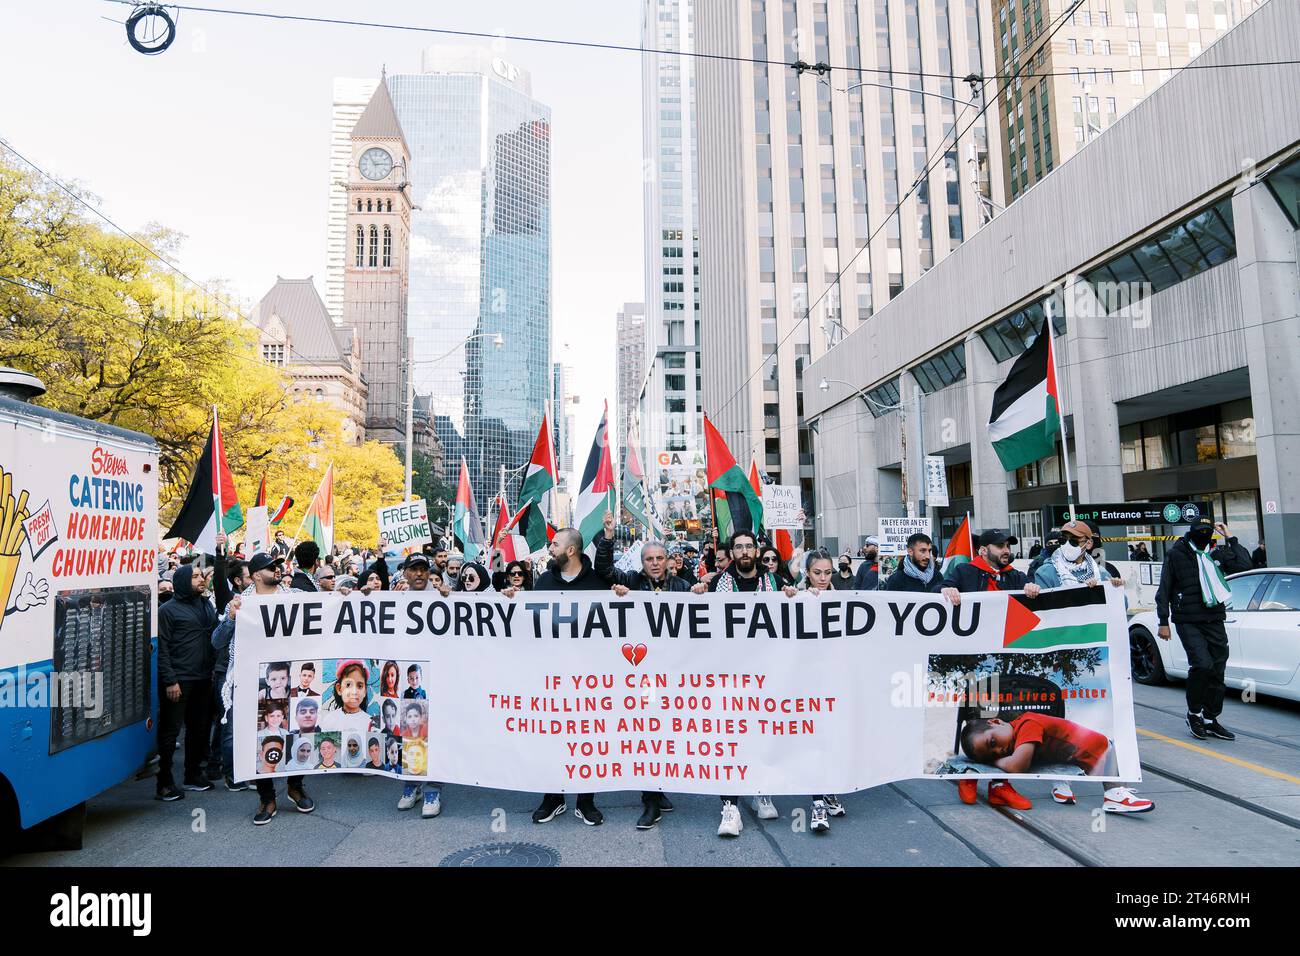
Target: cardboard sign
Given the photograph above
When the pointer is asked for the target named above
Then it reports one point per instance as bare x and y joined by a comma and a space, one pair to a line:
782, 507
894, 533
404, 528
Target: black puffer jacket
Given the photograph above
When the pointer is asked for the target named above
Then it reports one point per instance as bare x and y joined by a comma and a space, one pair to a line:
972, 578
632, 580
185, 625
1179, 594
900, 580
587, 580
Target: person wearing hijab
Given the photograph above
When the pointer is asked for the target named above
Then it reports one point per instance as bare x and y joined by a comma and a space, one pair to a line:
473, 577
302, 756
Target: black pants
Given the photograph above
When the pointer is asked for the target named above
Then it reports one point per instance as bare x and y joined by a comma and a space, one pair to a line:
1206, 643
582, 797
216, 752
266, 787
194, 712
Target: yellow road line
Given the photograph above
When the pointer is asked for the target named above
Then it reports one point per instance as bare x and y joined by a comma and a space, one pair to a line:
1266, 771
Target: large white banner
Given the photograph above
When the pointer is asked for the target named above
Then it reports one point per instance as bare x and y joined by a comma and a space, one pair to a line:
690, 693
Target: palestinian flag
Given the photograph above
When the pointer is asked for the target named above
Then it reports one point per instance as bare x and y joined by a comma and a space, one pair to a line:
520, 524
596, 494
960, 549
736, 506
535, 492
635, 500
261, 494
281, 511
1026, 407
780, 536
319, 520
513, 547
212, 504
1062, 617
466, 524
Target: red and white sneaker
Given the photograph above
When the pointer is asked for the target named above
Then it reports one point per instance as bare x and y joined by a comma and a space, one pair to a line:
968, 790
1062, 793
1124, 800
1002, 794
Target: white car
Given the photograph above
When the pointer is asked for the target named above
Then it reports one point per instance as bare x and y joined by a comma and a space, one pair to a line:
1263, 627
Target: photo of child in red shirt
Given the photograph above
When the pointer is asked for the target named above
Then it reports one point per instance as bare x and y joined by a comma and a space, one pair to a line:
1037, 738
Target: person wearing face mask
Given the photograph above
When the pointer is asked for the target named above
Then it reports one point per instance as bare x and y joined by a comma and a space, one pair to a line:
842, 579
990, 570
1074, 565
569, 570
868, 576
1195, 595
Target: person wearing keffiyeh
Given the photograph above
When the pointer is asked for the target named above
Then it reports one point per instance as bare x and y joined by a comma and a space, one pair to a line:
1194, 593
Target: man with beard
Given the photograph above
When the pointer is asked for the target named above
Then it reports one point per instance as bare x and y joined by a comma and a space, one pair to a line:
265, 570
1193, 591
917, 571
569, 570
742, 574
990, 570
868, 576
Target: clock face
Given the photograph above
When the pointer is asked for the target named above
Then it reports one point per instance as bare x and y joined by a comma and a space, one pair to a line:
375, 163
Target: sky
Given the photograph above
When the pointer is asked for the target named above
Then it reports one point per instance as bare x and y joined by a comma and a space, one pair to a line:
225, 137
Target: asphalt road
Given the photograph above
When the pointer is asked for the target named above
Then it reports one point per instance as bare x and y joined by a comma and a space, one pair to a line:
1233, 804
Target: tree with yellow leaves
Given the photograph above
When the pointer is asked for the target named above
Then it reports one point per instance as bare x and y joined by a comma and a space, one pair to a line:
118, 336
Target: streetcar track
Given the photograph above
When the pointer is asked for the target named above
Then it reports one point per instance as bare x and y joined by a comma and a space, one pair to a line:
1080, 856
1240, 733
1275, 815
973, 848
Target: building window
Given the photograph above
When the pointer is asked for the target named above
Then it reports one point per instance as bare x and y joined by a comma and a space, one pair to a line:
358, 205
370, 205
361, 247
388, 206
373, 258
388, 247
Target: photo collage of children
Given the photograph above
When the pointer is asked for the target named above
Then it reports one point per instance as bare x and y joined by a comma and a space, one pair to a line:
367, 715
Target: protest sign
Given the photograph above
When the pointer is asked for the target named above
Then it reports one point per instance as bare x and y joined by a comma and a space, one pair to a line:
782, 507
577, 692
894, 532
404, 528
257, 531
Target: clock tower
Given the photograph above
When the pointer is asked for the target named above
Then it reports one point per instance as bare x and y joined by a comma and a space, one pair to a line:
377, 262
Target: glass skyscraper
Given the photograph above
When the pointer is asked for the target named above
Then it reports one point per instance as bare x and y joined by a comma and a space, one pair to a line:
480, 259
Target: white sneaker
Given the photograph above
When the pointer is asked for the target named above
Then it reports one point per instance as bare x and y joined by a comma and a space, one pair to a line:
1124, 800
820, 822
833, 805
432, 804
730, 825
409, 798
1062, 793
764, 808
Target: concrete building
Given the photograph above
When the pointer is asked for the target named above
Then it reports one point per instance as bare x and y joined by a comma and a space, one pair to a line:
630, 371
298, 336
378, 217
670, 400
1107, 57
351, 96
798, 172
1166, 251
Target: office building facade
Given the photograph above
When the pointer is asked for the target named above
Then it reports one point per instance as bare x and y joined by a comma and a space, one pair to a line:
480, 264
1107, 56
800, 179
1174, 308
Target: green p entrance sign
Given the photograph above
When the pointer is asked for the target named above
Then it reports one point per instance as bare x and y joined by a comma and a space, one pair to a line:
1133, 512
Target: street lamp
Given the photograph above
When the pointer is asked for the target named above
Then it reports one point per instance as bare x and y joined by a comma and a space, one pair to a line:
498, 340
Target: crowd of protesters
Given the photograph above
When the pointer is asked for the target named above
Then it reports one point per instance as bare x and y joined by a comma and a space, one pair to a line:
199, 607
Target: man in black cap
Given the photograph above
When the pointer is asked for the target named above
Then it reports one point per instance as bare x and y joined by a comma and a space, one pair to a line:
1193, 591
990, 570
